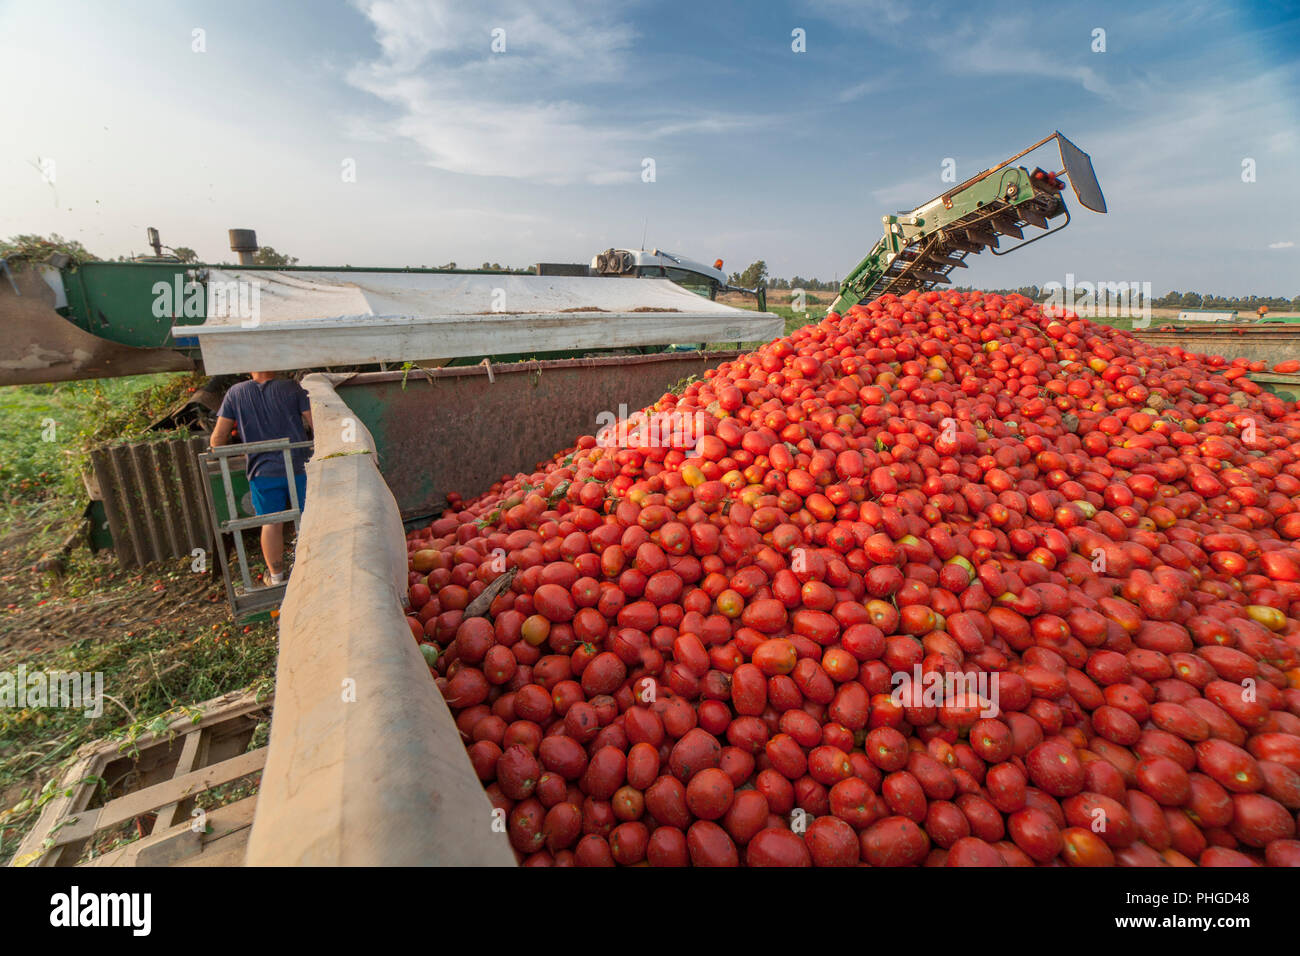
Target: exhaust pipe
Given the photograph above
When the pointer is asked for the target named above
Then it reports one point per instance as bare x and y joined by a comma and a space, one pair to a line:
243, 242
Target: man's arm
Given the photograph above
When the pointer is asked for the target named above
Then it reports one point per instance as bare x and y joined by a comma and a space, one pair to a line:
306, 420
221, 434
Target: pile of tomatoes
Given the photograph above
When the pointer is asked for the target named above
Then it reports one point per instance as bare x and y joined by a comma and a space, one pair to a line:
945, 580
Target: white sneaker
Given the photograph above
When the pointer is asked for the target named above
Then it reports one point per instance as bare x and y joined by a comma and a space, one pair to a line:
273, 579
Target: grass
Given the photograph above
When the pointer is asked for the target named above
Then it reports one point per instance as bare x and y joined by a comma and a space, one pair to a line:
147, 677
795, 320
46, 432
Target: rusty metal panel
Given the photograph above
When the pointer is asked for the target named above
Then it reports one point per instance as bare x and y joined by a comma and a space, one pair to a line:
462, 429
145, 510
194, 522
1271, 344
162, 481
110, 484
152, 495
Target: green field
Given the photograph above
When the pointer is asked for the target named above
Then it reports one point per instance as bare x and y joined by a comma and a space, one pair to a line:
46, 431
162, 637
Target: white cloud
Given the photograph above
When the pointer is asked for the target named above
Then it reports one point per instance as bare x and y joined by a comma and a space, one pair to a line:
1286, 244
983, 50
523, 113
972, 47
859, 90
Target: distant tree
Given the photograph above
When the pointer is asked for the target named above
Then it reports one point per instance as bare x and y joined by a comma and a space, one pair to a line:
1190, 300
448, 265
186, 254
39, 248
486, 267
754, 275
267, 256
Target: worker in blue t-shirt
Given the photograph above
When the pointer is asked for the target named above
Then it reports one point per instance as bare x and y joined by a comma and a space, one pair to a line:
263, 409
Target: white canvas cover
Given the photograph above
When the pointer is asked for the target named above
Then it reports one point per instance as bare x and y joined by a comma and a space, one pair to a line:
269, 320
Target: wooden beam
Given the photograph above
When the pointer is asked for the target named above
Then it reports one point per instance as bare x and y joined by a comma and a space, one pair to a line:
224, 823
132, 805
32, 851
189, 759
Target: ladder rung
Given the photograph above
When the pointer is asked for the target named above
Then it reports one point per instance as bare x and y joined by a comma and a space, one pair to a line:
275, 517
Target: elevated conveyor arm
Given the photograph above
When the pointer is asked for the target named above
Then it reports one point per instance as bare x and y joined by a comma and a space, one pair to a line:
921, 248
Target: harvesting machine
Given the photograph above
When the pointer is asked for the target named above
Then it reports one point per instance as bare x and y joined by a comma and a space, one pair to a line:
921, 248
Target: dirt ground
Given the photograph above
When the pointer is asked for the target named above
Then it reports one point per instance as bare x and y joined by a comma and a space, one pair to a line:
163, 637
42, 611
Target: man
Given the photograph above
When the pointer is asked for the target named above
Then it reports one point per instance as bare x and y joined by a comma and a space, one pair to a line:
263, 409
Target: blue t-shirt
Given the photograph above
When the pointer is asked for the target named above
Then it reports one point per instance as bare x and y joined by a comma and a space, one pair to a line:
264, 411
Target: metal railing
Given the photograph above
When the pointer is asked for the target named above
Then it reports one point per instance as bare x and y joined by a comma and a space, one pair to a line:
251, 598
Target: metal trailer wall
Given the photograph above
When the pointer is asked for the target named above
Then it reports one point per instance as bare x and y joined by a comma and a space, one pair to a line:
462, 429
1271, 345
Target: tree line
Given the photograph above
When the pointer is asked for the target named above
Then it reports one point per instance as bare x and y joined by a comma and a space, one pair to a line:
1177, 300
756, 274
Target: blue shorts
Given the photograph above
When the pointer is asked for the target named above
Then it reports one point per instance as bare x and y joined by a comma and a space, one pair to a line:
271, 492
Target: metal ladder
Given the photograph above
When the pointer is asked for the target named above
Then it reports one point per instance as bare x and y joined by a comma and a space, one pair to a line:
249, 599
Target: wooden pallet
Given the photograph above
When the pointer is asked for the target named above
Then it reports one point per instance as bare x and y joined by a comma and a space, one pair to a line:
154, 783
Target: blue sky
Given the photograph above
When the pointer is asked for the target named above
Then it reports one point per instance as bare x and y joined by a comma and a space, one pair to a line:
535, 153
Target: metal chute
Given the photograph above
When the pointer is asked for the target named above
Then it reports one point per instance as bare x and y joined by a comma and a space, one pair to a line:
40, 345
